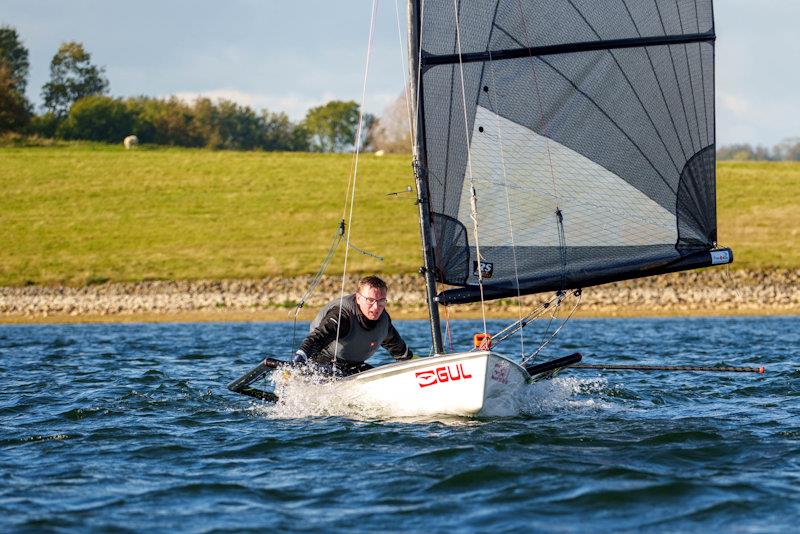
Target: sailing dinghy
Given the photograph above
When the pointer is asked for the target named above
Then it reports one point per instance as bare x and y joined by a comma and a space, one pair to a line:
477, 383
557, 145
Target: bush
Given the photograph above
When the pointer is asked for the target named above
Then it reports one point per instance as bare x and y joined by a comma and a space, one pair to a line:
165, 122
97, 118
45, 125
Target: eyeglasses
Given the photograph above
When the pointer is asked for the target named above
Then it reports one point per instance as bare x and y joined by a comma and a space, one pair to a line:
371, 301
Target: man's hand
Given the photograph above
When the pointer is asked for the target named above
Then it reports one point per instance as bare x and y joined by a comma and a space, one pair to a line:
405, 357
300, 357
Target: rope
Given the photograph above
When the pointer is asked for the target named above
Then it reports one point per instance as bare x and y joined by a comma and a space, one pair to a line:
447, 326
365, 253
315, 281
759, 370
473, 194
355, 174
337, 238
556, 198
562, 248
508, 204
732, 282
539, 102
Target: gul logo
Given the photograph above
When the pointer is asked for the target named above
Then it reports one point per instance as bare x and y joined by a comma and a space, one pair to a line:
500, 372
440, 375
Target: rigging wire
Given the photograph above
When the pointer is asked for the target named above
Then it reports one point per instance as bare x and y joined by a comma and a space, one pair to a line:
473, 193
357, 149
561, 294
515, 327
552, 305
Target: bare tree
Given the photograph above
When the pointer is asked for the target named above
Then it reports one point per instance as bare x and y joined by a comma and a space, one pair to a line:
392, 131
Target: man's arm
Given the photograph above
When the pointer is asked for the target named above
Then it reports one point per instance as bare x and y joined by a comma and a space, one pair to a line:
324, 334
395, 345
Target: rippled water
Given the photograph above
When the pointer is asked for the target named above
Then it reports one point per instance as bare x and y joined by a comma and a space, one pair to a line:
130, 427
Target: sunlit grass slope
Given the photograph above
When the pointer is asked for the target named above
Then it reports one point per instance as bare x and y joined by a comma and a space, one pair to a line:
87, 213
758, 207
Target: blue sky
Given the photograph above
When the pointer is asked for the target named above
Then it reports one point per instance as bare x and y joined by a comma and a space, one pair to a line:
289, 55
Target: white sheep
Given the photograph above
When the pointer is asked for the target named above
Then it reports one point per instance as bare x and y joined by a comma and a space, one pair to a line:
130, 142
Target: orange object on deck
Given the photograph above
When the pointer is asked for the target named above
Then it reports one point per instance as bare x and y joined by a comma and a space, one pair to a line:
483, 341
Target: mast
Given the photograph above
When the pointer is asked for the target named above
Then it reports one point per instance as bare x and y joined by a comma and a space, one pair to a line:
421, 174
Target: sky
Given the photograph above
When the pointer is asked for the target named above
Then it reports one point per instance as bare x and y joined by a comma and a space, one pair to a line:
290, 55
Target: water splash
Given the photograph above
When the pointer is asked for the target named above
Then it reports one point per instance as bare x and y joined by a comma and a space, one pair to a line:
305, 392
564, 393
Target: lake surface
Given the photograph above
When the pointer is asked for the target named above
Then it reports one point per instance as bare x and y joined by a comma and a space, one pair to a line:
130, 427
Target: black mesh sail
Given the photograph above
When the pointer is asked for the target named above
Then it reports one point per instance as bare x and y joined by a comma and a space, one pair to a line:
586, 128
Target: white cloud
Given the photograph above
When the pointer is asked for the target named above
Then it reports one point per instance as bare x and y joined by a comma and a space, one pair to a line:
736, 104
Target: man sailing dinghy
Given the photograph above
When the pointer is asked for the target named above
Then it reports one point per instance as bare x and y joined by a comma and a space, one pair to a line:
558, 145
348, 331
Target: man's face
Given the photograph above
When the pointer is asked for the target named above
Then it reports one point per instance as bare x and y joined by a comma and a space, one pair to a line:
371, 302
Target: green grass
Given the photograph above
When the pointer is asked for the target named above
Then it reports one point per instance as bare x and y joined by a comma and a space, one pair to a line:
85, 213
758, 205
90, 213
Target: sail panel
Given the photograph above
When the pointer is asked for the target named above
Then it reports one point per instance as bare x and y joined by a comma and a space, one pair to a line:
590, 160
598, 207
541, 23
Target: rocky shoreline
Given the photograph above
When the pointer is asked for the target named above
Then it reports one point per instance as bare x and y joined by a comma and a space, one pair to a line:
700, 292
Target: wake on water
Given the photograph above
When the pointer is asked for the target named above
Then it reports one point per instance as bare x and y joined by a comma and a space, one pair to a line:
311, 394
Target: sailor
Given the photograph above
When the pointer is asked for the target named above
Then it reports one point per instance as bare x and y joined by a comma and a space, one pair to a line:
361, 324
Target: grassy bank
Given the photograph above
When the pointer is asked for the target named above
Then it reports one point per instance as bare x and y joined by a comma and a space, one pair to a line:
89, 213
84, 213
758, 216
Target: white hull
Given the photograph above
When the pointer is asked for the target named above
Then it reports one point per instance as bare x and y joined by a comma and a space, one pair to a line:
462, 384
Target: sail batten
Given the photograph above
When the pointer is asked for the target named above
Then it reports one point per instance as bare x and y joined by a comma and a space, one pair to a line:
589, 129
429, 60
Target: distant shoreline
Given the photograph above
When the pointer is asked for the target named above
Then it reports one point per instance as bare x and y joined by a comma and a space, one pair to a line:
698, 293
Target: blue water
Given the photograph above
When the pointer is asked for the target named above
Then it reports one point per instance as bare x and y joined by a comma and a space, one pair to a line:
130, 427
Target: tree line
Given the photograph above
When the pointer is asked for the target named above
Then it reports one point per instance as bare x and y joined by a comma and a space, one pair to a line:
786, 150
76, 105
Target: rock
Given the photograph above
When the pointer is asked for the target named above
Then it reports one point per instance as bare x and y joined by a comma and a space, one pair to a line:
757, 291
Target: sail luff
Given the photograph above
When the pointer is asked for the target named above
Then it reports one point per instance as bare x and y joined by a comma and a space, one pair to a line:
421, 175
